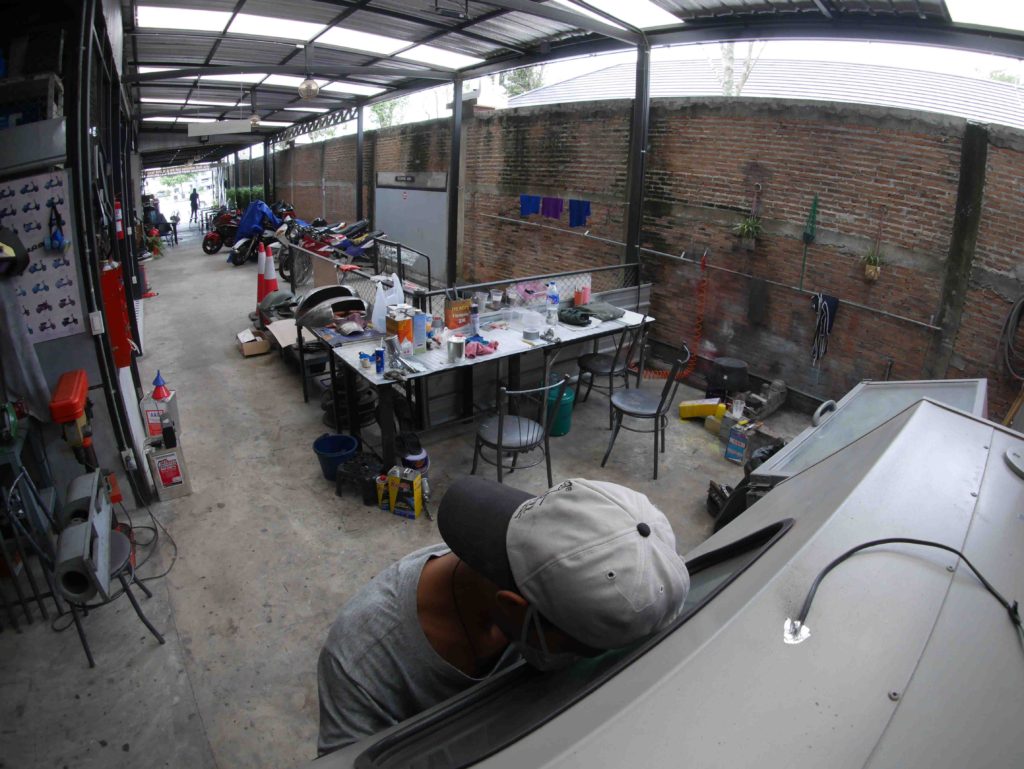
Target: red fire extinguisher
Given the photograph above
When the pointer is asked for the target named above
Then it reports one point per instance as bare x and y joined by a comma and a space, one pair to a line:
118, 219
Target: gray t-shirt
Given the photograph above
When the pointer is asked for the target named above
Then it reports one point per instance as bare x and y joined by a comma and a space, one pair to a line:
377, 667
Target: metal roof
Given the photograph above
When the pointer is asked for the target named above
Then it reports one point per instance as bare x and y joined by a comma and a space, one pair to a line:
501, 34
986, 101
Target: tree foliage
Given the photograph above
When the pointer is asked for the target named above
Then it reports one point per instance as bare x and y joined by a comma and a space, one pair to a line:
388, 112
518, 81
173, 180
734, 74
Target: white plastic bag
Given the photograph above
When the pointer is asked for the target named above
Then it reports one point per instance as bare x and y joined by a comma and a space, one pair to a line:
395, 294
380, 309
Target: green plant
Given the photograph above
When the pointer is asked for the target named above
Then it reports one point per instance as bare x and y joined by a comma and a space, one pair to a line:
153, 243
873, 258
749, 228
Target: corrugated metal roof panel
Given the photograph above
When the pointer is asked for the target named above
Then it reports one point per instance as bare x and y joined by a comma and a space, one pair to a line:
971, 98
173, 49
523, 29
299, 10
199, 5
252, 53
403, 29
695, 9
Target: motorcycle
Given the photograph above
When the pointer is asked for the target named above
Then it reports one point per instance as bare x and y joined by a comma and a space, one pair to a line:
224, 232
257, 225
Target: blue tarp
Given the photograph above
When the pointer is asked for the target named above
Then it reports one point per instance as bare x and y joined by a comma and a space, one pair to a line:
252, 220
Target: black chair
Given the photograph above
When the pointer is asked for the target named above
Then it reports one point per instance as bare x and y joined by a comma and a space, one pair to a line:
507, 432
596, 364
647, 404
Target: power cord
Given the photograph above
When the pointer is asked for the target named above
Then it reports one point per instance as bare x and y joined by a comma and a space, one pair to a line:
797, 626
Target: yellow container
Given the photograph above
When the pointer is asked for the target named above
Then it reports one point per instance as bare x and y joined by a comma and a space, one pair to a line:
702, 408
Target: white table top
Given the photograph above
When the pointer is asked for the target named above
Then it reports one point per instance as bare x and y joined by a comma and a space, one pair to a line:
510, 342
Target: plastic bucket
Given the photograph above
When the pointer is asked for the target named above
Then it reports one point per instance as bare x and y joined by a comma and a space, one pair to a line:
560, 419
332, 450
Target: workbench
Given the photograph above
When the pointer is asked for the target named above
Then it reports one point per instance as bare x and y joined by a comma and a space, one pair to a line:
511, 348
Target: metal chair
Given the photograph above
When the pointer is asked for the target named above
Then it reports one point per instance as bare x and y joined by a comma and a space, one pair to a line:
597, 364
507, 432
647, 404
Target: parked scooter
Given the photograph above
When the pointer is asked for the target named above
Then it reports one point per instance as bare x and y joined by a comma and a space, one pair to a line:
257, 225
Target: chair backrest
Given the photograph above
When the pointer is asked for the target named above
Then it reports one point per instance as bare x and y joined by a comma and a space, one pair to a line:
668, 391
537, 394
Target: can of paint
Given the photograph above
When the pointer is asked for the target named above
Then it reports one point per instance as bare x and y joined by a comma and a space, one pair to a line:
378, 359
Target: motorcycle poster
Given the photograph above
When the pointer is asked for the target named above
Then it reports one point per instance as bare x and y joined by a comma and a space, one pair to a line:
48, 290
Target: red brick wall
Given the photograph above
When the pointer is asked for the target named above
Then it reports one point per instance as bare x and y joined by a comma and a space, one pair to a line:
703, 162
997, 277
576, 151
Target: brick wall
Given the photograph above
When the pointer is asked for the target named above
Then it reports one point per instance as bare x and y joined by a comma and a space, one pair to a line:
877, 173
997, 275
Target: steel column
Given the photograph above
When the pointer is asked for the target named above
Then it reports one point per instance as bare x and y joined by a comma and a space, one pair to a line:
266, 170
359, 163
638, 151
454, 183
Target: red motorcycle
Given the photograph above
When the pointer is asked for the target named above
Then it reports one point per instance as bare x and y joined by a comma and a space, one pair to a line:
224, 232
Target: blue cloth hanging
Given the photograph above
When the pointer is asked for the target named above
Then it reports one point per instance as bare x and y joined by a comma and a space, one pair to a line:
579, 212
529, 204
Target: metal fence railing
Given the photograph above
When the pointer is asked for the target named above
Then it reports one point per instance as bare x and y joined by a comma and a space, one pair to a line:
411, 265
530, 290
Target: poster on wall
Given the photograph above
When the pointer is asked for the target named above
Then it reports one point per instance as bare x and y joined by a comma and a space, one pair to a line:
48, 289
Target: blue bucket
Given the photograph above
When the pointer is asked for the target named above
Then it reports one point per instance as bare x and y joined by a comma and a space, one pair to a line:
333, 450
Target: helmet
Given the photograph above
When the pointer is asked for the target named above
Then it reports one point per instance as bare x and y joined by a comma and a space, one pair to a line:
319, 222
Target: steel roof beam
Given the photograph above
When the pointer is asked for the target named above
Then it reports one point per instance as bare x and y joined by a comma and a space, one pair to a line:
569, 18
335, 73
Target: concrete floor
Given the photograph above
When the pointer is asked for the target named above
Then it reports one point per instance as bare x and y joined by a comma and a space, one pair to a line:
266, 555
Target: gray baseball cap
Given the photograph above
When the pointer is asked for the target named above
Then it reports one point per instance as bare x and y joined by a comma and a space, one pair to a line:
597, 559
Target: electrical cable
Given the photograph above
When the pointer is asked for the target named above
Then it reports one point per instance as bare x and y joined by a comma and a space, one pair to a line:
1010, 355
1011, 609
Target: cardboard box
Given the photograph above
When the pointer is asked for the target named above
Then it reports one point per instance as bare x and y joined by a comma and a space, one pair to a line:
252, 342
402, 328
739, 442
419, 333
405, 492
383, 493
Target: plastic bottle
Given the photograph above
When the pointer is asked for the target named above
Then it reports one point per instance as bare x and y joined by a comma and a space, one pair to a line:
553, 293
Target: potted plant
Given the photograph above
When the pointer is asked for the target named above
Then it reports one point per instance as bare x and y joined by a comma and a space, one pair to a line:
153, 242
872, 264
748, 230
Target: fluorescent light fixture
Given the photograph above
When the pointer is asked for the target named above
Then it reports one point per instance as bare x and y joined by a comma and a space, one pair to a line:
288, 81
318, 110
428, 54
269, 26
998, 14
360, 90
191, 102
361, 41
240, 78
144, 70
163, 119
274, 123
639, 13
182, 18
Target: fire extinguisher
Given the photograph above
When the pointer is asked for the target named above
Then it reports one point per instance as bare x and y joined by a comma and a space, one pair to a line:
118, 219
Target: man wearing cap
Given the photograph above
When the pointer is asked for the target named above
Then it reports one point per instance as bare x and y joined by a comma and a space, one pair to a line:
587, 566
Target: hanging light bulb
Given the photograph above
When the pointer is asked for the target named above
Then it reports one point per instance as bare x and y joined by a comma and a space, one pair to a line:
308, 89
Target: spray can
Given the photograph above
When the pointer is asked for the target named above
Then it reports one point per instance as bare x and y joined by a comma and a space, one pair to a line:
378, 359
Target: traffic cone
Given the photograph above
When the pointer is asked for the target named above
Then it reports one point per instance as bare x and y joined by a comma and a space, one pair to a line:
270, 280
261, 285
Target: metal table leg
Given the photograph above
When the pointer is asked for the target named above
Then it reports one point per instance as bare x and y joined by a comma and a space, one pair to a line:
302, 364
352, 401
386, 406
332, 362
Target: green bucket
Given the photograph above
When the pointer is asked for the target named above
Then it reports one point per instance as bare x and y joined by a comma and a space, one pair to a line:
560, 418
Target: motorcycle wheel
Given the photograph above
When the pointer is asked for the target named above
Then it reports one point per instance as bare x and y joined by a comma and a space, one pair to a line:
239, 256
212, 243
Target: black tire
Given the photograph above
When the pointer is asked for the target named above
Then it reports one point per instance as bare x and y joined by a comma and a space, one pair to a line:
241, 256
212, 245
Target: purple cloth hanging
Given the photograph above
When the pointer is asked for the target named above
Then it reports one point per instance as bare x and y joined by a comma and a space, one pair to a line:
552, 207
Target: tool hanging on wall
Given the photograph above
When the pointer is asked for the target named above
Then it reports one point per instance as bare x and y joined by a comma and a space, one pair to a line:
810, 229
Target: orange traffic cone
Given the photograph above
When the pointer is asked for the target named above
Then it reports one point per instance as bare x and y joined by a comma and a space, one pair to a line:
261, 268
270, 279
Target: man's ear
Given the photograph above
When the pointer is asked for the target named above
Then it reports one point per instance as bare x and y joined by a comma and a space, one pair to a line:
512, 607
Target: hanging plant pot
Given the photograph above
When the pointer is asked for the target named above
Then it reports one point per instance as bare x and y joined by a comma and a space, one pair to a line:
872, 272
748, 244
